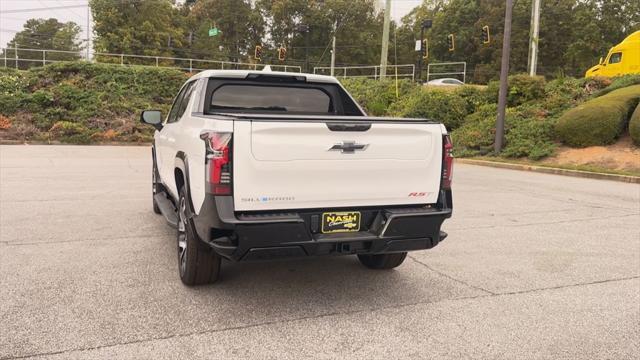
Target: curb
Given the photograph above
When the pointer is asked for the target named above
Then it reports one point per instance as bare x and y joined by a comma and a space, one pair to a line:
552, 170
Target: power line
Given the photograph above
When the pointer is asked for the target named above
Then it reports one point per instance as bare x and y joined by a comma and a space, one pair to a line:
16, 11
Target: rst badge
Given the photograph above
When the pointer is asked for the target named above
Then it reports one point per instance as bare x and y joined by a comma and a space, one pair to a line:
417, 194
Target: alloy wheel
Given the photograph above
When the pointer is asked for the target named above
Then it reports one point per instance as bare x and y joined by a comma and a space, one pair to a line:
182, 236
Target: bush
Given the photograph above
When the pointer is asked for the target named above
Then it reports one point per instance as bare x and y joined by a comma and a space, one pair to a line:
619, 82
528, 133
596, 83
477, 135
70, 132
562, 94
436, 104
73, 101
599, 121
473, 96
634, 126
522, 88
375, 96
5, 123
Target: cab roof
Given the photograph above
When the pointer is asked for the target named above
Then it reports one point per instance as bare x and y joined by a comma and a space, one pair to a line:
241, 74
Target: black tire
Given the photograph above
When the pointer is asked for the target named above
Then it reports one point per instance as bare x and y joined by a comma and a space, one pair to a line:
154, 184
382, 261
198, 264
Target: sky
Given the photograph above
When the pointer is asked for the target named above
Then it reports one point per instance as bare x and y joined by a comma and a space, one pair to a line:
12, 19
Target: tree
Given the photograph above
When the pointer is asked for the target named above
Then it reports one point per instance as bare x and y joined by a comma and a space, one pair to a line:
573, 33
240, 24
49, 34
136, 27
358, 30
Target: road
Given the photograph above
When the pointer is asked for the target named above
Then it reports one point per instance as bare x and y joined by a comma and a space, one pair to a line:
535, 266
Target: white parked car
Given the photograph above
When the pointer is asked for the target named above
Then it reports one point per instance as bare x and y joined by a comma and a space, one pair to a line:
445, 82
252, 165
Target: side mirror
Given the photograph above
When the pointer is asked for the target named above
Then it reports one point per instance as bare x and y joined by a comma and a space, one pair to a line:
601, 60
153, 118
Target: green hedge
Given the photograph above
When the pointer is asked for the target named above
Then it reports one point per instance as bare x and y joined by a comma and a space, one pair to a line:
376, 96
528, 133
436, 104
522, 88
619, 82
599, 121
80, 102
634, 126
477, 134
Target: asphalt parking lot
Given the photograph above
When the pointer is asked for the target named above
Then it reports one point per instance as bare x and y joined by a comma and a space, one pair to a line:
535, 266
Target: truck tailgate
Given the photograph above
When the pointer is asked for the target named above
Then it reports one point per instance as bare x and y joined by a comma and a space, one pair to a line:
290, 165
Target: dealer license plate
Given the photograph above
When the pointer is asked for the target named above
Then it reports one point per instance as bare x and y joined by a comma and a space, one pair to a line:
334, 222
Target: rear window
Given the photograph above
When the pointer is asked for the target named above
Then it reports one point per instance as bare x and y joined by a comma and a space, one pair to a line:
271, 98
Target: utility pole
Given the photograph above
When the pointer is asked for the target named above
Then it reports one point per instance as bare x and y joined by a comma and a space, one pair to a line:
88, 43
385, 39
533, 37
333, 47
304, 28
504, 74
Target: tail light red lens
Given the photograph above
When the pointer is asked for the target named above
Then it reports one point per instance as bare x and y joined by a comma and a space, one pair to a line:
219, 161
447, 162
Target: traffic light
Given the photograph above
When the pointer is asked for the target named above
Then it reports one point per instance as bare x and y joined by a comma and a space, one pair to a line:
282, 53
486, 37
451, 41
257, 55
425, 45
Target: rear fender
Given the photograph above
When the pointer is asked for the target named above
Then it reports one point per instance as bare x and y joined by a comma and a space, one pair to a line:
181, 163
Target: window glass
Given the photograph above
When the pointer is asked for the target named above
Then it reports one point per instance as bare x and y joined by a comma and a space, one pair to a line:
181, 102
185, 100
271, 98
615, 58
176, 104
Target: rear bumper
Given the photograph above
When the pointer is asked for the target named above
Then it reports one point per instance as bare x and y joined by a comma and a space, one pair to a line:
261, 236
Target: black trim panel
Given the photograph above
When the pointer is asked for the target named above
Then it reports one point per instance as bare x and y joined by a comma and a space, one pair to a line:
313, 118
256, 236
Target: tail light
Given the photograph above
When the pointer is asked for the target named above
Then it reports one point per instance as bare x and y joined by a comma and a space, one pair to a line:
447, 162
219, 160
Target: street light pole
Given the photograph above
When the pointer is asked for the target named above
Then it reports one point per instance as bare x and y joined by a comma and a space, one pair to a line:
385, 40
333, 48
88, 43
426, 24
504, 74
421, 53
304, 28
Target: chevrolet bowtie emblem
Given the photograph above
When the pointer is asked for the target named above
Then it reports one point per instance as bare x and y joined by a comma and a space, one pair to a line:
348, 147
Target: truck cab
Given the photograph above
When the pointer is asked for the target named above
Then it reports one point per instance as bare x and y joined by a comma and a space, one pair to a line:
622, 59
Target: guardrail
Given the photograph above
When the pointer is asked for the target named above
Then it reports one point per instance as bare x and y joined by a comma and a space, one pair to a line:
21, 58
372, 71
446, 71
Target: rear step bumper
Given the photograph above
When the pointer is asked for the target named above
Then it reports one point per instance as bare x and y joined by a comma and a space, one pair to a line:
288, 235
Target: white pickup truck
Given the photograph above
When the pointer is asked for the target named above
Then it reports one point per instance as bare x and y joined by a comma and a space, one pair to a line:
252, 165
